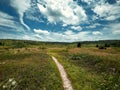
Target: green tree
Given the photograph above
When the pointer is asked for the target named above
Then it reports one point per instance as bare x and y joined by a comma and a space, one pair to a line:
79, 45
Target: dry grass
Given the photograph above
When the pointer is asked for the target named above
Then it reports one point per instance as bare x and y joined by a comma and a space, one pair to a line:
96, 51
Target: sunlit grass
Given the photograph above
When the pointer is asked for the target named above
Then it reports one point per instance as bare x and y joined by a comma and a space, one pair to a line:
28, 70
29, 66
90, 70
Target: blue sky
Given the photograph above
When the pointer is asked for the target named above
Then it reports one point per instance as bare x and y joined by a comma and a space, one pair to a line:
60, 20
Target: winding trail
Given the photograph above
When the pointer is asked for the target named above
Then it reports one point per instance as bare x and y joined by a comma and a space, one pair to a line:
66, 82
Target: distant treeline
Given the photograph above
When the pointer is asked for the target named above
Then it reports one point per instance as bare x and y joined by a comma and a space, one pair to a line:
24, 43
114, 43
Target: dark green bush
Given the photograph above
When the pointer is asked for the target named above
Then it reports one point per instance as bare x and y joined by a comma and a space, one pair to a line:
79, 45
102, 47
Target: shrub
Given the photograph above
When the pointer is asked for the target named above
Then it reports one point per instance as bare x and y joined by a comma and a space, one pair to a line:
79, 45
107, 45
97, 45
0, 43
102, 47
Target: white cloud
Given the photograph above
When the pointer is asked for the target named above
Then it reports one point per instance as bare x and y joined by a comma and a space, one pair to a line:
69, 32
21, 7
39, 31
32, 14
9, 21
93, 25
102, 10
111, 17
5, 15
114, 28
118, 2
30, 17
107, 11
67, 12
64, 25
116, 32
78, 28
94, 17
26, 37
112, 31
6, 20
97, 33
81, 36
88, 1
67, 36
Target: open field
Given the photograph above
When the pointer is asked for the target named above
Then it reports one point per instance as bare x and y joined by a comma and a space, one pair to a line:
90, 68
28, 69
27, 65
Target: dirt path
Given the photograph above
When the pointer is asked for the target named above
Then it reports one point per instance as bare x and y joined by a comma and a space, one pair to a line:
66, 82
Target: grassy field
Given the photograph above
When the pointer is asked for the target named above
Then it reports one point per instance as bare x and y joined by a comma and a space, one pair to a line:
90, 68
27, 65
28, 69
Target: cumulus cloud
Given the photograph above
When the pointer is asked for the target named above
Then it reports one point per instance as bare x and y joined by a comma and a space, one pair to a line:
40, 31
78, 28
88, 1
112, 17
69, 32
21, 7
93, 25
64, 25
107, 11
70, 36
116, 32
80, 36
111, 31
97, 33
70, 14
67, 36
26, 37
33, 13
33, 18
67, 12
114, 28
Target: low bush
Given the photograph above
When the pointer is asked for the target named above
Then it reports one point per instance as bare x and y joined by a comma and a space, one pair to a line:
102, 47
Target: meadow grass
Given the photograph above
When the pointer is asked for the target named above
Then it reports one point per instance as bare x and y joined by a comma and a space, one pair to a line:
30, 69
90, 68
27, 65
